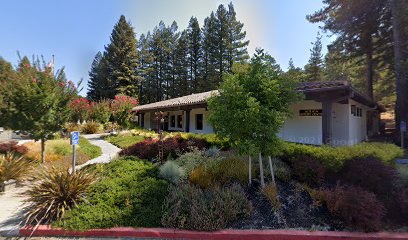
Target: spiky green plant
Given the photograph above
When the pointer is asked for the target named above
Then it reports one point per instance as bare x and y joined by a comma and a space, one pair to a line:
54, 192
14, 166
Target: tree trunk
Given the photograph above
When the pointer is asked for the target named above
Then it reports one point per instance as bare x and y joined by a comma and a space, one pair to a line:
401, 57
271, 166
42, 150
370, 66
261, 170
250, 169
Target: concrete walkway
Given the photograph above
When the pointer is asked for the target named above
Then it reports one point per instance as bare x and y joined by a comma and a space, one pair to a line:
11, 210
109, 151
11, 201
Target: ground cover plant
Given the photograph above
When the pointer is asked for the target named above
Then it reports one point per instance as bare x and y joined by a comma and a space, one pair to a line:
128, 193
124, 140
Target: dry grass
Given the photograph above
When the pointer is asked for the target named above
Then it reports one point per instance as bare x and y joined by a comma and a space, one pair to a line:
270, 191
58, 153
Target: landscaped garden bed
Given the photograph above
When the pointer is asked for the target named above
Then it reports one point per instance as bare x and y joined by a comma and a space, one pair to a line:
202, 188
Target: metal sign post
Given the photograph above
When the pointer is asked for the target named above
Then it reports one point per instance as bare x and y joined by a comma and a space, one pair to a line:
403, 129
74, 142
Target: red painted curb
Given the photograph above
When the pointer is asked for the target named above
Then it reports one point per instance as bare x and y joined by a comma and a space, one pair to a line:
45, 230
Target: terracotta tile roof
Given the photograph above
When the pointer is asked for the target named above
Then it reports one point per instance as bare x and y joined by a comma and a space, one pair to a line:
198, 98
192, 99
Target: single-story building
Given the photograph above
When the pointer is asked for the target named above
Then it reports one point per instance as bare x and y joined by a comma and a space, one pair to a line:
331, 113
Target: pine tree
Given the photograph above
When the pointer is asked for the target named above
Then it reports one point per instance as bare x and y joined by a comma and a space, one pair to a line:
181, 67
145, 69
293, 73
313, 69
222, 32
94, 88
236, 44
400, 33
362, 29
209, 46
6, 70
122, 59
194, 54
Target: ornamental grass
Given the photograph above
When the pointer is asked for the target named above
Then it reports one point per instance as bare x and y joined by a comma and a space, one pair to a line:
53, 192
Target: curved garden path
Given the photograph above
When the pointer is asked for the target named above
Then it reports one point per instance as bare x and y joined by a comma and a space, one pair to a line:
109, 151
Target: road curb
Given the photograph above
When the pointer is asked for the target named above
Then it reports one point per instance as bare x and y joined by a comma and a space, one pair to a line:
45, 230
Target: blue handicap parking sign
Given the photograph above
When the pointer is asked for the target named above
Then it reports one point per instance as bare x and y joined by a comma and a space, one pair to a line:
74, 138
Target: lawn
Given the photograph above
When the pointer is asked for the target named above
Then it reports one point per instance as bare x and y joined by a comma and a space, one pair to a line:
58, 152
124, 140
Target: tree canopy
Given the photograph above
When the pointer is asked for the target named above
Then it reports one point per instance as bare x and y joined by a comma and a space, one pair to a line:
36, 100
253, 104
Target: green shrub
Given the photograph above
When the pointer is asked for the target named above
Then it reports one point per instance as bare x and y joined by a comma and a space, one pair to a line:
171, 172
187, 207
124, 140
281, 170
334, 157
190, 160
212, 152
53, 192
91, 127
128, 194
402, 175
88, 149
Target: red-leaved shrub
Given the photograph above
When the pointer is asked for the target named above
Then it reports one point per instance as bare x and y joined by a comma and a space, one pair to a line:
370, 174
12, 146
356, 207
308, 170
149, 148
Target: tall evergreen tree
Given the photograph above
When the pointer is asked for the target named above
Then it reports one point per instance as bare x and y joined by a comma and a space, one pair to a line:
94, 83
194, 54
313, 68
122, 59
145, 68
236, 43
362, 30
400, 34
209, 46
181, 85
295, 74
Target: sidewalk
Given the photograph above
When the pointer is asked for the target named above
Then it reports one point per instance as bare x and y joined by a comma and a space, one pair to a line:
11, 204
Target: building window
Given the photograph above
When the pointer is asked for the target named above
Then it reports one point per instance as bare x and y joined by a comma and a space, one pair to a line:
199, 121
173, 121
353, 110
180, 121
356, 111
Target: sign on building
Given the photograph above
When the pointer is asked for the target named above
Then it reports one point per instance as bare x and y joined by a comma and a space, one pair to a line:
310, 112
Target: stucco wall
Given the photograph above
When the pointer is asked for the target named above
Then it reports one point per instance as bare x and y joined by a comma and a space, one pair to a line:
346, 128
340, 124
207, 128
357, 125
303, 129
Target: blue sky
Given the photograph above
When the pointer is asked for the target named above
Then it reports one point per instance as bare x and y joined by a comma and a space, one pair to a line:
74, 31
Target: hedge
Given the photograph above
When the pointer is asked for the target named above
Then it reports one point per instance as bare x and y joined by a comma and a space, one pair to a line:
334, 157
